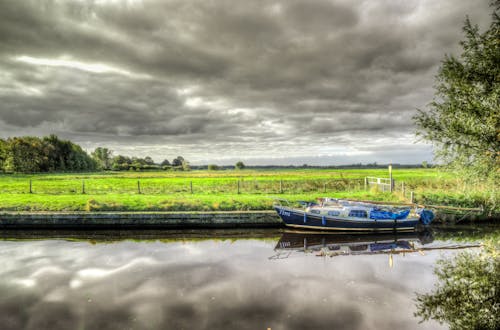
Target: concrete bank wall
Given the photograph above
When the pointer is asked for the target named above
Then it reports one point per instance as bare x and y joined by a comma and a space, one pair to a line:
145, 220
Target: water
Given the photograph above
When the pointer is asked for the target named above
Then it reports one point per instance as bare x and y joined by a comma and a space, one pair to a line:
218, 279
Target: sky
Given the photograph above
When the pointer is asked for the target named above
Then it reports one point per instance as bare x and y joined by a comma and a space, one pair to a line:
266, 82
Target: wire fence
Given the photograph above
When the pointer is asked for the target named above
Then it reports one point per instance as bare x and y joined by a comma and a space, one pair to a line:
157, 186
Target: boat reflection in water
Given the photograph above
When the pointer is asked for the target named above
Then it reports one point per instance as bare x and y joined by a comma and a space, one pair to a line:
331, 245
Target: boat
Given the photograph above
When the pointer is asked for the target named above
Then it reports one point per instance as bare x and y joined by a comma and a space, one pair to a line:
347, 215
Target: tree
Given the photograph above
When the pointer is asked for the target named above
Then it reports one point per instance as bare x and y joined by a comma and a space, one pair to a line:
103, 157
165, 162
149, 161
27, 154
177, 162
463, 120
186, 166
213, 167
239, 165
3, 154
121, 163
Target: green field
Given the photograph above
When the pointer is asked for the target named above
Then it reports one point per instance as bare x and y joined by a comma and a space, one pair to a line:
228, 189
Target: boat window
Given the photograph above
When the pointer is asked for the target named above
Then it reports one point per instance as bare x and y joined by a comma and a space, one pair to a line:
333, 213
315, 211
358, 213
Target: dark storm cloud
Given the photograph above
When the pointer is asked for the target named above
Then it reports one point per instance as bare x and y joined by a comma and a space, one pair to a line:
204, 76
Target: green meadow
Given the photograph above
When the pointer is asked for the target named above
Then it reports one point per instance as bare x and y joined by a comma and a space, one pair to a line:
226, 190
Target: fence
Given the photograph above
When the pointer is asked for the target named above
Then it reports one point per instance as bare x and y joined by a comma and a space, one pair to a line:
390, 185
385, 184
152, 186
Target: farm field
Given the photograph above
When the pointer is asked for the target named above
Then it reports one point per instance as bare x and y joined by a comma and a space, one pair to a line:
225, 190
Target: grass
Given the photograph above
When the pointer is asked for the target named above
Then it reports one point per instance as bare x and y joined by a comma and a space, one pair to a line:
218, 190
179, 202
250, 181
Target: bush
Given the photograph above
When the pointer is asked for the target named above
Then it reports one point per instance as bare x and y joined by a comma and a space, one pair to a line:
213, 167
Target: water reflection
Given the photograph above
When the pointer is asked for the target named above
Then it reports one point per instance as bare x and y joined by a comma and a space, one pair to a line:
467, 295
332, 245
202, 280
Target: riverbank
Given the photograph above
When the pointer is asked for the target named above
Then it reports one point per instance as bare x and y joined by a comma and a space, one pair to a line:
144, 220
168, 220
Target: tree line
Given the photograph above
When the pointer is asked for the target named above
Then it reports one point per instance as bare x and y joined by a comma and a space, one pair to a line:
29, 154
106, 161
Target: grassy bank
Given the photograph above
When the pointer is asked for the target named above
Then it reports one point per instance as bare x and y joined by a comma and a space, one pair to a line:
179, 202
218, 190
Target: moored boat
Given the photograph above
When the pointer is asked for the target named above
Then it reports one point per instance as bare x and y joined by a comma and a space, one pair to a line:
347, 215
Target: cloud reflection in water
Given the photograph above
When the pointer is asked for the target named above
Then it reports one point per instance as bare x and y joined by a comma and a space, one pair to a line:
208, 284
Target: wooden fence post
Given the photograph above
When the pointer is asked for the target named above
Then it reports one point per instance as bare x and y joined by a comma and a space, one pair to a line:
31, 187
412, 197
191, 186
324, 187
366, 183
139, 186
238, 187
281, 186
83, 187
403, 189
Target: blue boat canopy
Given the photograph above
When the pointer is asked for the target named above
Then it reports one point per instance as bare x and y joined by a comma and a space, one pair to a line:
379, 214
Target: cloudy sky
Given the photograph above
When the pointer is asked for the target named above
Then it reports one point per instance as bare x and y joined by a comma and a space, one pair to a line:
266, 82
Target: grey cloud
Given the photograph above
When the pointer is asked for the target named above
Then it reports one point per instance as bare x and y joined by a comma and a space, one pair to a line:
284, 61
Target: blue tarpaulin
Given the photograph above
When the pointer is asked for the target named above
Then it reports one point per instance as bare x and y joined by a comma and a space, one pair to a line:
426, 216
381, 214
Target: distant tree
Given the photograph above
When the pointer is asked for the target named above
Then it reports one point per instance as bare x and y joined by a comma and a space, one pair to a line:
165, 165
186, 166
137, 163
149, 161
103, 157
239, 165
213, 167
463, 121
78, 159
425, 164
3, 154
28, 154
121, 163
177, 162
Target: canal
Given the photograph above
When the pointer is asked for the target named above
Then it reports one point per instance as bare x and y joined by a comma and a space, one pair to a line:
224, 279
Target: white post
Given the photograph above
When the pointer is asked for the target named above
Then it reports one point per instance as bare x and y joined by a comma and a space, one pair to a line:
390, 177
